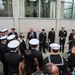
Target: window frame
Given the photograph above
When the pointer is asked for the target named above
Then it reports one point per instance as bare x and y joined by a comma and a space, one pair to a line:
12, 12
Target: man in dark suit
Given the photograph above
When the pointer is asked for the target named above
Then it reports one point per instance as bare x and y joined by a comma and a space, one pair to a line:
31, 34
62, 38
70, 38
42, 39
51, 36
13, 32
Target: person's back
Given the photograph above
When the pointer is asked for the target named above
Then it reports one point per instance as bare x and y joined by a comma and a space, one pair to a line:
2, 51
29, 62
57, 59
38, 55
35, 58
13, 60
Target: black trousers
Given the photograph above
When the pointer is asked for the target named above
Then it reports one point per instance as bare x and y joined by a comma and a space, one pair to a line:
42, 46
62, 47
5, 69
49, 44
62, 43
70, 45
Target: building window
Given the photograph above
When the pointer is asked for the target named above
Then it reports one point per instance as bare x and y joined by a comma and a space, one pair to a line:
6, 8
48, 8
68, 0
68, 9
29, 8
74, 11
37, 8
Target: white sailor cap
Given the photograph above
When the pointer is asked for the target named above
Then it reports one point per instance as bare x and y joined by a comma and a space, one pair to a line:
34, 42
13, 44
11, 37
5, 30
3, 37
55, 46
12, 28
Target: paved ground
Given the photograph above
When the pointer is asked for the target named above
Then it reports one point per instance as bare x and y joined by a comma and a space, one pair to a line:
44, 55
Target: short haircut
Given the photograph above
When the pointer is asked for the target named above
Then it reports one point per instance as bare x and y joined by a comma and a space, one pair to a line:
13, 49
55, 51
3, 39
33, 46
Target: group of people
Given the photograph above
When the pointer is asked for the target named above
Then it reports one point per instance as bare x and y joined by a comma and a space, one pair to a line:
45, 40
51, 38
30, 61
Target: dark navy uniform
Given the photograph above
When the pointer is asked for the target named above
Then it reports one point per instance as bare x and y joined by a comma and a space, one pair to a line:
13, 60
71, 39
62, 38
3, 50
42, 39
59, 61
15, 33
51, 36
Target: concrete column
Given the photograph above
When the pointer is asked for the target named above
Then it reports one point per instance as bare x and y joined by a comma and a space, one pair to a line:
22, 8
58, 19
16, 14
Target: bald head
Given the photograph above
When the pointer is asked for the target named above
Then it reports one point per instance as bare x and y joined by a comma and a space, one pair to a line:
62, 28
55, 70
31, 29
50, 69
